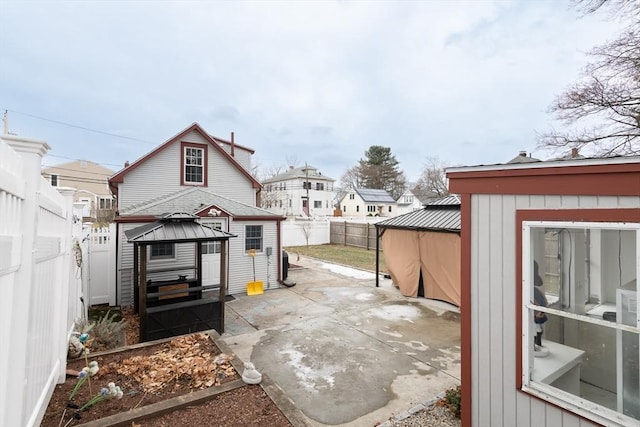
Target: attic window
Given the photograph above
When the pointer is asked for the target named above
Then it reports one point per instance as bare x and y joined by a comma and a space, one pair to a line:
194, 164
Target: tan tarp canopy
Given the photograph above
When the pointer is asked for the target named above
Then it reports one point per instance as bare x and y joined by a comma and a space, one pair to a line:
437, 254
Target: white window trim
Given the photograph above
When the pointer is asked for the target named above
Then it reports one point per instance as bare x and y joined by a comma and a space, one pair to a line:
202, 166
582, 407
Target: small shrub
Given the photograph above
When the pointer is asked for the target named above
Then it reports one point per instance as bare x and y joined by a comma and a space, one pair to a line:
453, 397
106, 332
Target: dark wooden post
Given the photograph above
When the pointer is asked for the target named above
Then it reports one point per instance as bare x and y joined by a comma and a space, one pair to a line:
223, 282
377, 258
136, 278
142, 294
199, 264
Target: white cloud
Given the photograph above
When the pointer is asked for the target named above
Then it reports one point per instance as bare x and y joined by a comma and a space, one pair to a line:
465, 81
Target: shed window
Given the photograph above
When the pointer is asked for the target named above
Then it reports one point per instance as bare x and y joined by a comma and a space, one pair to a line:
194, 164
162, 251
580, 323
253, 238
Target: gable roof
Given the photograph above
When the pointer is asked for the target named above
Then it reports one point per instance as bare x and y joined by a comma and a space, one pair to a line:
119, 177
440, 215
79, 166
400, 200
194, 200
370, 195
295, 173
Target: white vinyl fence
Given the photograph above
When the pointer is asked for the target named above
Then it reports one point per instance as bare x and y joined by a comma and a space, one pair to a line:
300, 232
39, 280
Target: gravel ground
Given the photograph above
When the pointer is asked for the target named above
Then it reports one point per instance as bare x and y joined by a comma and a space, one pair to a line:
427, 414
436, 416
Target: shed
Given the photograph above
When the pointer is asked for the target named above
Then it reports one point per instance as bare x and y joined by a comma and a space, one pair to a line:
180, 305
422, 250
571, 229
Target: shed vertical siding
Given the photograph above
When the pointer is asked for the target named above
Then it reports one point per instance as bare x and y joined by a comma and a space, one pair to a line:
161, 175
495, 400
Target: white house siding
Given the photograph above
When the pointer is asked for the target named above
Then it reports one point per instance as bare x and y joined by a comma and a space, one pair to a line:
185, 257
161, 176
241, 266
493, 293
242, 156
348, 206
294, 192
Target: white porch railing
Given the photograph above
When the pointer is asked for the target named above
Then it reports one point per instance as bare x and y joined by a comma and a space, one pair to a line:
40, 288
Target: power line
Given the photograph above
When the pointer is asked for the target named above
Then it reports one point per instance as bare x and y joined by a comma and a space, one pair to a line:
53, 170
73, 158
81, 127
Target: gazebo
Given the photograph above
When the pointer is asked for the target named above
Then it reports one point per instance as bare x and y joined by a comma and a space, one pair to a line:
181, 305
422, 250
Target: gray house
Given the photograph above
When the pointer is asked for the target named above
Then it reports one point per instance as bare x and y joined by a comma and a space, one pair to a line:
205, 176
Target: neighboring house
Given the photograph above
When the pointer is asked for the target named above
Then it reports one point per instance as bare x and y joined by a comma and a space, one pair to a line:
408, 202
571, 229
361, 202
91, 182
198, 174
302, 191
422, 250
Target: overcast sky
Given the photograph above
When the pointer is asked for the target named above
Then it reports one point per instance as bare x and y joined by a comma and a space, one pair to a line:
468, 82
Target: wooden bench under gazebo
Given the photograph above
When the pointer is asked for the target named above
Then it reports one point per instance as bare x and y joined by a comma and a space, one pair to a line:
182, 305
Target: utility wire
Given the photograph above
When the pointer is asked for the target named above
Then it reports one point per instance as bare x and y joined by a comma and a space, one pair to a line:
81, 127
73, 158
49, 171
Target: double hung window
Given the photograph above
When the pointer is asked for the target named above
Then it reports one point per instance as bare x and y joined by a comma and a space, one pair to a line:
253, 238
194, 164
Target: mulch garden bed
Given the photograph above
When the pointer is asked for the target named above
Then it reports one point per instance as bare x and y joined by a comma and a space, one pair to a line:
189, 370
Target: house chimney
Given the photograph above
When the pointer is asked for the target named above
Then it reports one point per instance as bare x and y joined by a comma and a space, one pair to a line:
233, 146
574, 153
126, 164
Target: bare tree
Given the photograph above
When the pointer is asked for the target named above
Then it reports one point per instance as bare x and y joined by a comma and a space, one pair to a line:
306, 231
432, 182
608, 94
349, 180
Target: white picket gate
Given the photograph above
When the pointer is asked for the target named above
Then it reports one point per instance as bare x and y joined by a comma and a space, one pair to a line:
40, 289
100, 267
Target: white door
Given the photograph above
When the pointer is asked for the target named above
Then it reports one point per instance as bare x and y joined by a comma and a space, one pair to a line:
211, 259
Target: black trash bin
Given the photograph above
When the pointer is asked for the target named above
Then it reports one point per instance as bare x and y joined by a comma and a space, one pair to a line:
285, 265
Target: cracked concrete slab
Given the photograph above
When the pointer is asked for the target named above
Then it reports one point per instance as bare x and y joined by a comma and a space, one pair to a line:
344, 351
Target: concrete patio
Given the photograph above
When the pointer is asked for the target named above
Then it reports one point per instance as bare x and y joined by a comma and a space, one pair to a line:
343, 351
